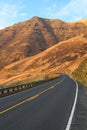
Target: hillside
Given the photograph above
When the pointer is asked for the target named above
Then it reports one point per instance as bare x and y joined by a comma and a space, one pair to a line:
64, 57
80, 73
35, 35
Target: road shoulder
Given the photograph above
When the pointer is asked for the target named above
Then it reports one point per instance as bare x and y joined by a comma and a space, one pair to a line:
80, 116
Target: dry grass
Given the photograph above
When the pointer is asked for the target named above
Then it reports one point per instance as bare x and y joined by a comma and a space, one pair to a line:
31, 37
64, 57
41, 49
80, 73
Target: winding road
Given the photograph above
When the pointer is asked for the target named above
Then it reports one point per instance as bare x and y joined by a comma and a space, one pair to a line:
49, 106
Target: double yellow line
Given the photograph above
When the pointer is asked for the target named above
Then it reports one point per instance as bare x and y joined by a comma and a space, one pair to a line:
30, 98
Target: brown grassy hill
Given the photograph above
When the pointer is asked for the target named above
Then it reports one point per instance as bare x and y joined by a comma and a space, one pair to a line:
31, 37
63, 57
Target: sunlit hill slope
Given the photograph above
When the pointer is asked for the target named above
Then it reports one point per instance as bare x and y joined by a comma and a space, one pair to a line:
41, 48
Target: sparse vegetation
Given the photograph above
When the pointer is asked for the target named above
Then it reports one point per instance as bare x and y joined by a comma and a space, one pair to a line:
40, 49
40, 77
80, 73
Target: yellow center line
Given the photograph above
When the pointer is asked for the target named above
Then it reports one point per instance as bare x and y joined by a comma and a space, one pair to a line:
31, 98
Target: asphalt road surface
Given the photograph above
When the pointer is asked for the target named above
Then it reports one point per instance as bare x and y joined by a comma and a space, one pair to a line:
44, 107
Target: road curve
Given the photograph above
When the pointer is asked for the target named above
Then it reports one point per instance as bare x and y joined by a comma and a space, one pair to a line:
45, 107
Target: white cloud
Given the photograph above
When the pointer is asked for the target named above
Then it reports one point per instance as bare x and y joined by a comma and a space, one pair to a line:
74, 10
9, 13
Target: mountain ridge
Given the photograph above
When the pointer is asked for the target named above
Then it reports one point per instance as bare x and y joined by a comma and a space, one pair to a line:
43, 47
56, 59
34, 36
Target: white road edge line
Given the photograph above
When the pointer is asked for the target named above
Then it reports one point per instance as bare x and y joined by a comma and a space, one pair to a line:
73, 109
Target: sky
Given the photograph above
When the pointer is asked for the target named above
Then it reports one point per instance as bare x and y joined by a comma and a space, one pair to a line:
14, 11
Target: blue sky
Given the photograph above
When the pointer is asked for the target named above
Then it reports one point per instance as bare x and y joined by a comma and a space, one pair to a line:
14, 11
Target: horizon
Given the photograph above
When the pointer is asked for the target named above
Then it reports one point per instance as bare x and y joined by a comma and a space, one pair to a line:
13, 12
42, 18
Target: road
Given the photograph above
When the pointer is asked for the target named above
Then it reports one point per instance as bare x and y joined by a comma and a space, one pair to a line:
44, 107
